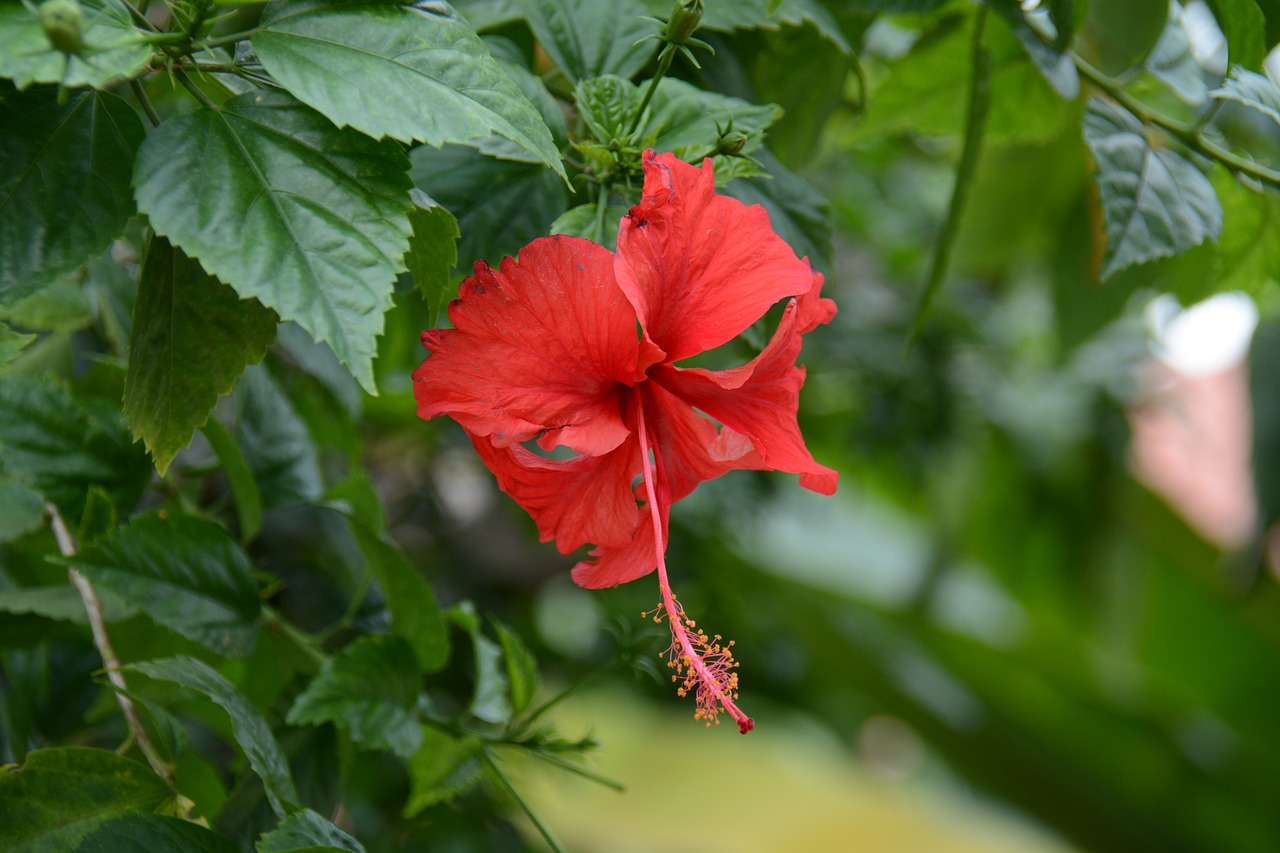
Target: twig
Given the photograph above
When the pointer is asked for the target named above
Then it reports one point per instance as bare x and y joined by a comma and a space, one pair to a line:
102, 640
542, 828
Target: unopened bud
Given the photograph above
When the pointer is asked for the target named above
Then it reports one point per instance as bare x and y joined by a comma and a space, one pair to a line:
63, 25
732, 142
684, 21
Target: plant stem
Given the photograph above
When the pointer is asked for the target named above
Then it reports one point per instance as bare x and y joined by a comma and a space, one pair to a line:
542, 828
664, 65
303, 641
102, 641
579, 771
181, 77
145, 102
228, 39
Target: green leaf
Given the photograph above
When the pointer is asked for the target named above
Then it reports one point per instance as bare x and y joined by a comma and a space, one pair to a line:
415, 615
62, 306
799, 213
522, 667
239, 478
500, 205
589, 221
62, 603
489, 700
60, 794
1056, 65
411, 71
275, 201
62, 446
192, 337
755, 14
685, 118
187, 574
154, 834
444, 767
64, 190
433, 252
1245, 27
275, 441
1172, 62
304, 830
1255, 91
23, 509
357, 491
370, 690
99, 516
608, 106
114, 48
1156, 202
1250, 244
586, 39
1117, 36
247, 724
11, 344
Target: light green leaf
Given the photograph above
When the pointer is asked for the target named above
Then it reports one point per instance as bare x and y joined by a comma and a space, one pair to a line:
1255, 91
185, 573
61, 446
444, 767
1250, 244
411, 71
61, 794
192, 337
11, 344
304, 830
489, 700
1245, 27
114, 48
239, 477
370, 690
585, 38
587, 220
1056, 65
522, 667
247, 724
415, 615
1172, 62
1156, 202
23, 509
275, 201
154, 834
275, 441
433, 252
608, 106
62, 306
64, 189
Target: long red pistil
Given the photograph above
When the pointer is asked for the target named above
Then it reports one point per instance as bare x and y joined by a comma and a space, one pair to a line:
705, 662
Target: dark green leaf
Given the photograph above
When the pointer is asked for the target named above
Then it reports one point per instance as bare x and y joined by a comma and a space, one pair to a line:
798, 212
754, 14
370, 690
99, 516
318, 360
63, 603
411, 71
304, 830
1253, 90
113, 47
11, 344
1264, 356
586, 38
62, 447
685, 119
23, 509
522, 667
500, 205
414, 612
358, 493
490, 697
1245, 27
64, 188
239, 478
154, 834
589, 221
187, 574
275, 441
896, 7
443, 767
1056, 65
1117, 36
192, 337
433, 252
250, 729
59, 795
1250, 243
1156, 202
275, 201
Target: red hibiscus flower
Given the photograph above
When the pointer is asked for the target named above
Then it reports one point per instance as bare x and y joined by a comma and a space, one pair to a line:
545, 350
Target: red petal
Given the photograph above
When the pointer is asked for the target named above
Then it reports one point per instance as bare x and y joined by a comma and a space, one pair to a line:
574, 501
760, 399
699, 267
616, 565
690, 449
543, 344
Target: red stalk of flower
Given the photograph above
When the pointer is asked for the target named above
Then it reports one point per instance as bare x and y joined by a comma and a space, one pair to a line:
545, 349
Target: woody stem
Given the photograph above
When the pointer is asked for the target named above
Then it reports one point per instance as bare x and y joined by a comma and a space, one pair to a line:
675, 616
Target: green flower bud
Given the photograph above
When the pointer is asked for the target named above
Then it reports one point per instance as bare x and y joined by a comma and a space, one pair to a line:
684, 21
63, 25
732, 142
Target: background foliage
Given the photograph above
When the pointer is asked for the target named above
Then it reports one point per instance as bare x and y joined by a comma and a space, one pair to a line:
222, 227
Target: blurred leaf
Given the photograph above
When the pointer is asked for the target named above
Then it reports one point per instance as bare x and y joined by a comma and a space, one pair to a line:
896, 7
444, 767
1245, 27
63, 603
585, 38
305, 831
522, 667
65, 189
1264, 356
490, 697
23, 509
185, 573
192, 337
61, 306
275, 441
415, 616
323, 248
154, 834
433, 252
1250, 242
11, 344
244, 488
1172, 62
357, 492
250, 729
318, 360
62, 446
114, 47
61, 794
1156, 202
589, 222
411, 71
99, 516
1253, 90
370, 690
1055, 64
797, 211
1118, 35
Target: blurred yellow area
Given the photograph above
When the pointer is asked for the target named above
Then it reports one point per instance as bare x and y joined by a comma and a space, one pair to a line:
787, 786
